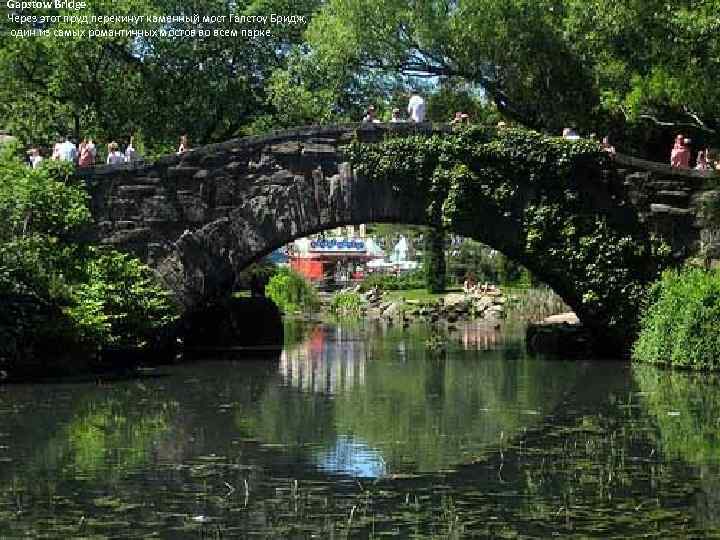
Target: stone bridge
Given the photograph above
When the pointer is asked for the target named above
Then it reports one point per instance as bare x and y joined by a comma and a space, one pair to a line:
201, 217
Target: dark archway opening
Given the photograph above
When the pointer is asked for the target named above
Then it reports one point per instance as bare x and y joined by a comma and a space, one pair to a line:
251, 321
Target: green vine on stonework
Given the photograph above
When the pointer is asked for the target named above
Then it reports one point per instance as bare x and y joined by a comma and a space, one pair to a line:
534, 184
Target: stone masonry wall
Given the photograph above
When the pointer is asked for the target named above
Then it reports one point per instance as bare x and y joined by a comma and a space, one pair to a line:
201, 217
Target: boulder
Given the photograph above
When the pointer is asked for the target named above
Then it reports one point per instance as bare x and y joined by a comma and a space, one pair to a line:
483, 303
494, 313
566, 318
392, 311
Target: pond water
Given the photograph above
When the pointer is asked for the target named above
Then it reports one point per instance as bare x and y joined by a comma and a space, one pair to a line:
363, 431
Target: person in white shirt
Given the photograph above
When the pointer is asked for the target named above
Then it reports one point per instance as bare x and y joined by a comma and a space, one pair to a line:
130, 152
35, 157
570, 134
67, 151
416, 109
114, 155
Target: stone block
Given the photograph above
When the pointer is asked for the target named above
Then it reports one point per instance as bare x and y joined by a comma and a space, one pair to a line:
135, 190
142, 234
141, 180
291, 148
234, 166
122, 209
319, 150
657, 208
182, 172
158, 209
193, 210
221, 212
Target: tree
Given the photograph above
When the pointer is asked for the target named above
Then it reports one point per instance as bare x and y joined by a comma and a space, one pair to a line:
655, 62
435, 260
110, 87
600, 65
513, 49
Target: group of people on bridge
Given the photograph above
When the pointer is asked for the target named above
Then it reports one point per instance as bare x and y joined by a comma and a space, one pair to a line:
416, 111
85, 154
681, 154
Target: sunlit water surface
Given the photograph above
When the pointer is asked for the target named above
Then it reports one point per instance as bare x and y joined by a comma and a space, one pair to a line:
362, 431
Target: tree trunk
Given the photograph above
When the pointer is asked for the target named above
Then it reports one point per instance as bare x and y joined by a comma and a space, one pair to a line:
435, 259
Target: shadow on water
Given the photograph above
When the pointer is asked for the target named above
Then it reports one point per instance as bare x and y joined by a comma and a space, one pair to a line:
360, 430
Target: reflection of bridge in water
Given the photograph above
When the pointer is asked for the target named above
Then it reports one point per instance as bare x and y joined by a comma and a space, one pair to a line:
333, 360
480, 336
330, 361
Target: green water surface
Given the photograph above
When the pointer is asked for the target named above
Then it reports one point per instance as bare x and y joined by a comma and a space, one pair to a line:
361, 431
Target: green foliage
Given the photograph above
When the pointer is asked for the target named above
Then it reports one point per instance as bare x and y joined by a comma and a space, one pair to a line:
455, 97
602, 65
710, 207
515, 51
346, 303
680, 321
533, 304
103, 86
685, 407
487, 265
38, 200
255, 275
476, 183
651, 59
387, 282
121, 303
291, 292
57, 290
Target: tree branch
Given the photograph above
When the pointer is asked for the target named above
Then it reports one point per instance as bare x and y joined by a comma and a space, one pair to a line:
697, 124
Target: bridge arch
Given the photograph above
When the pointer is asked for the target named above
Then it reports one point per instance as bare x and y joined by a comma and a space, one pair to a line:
589, 226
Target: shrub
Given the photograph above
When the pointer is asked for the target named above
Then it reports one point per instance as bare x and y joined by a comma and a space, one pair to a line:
403, 282
60, 291
535, 304
346, 303
680, 321
121, 303
291, 292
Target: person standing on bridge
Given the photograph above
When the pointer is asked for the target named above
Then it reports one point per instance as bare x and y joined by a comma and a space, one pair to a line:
131, 154
702, 161
395, 118
680, 155
570, 134
416, 109
68, 152
55, 156
35, 157
87, 153
114, 155
606, 146
370, 117
184, 144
